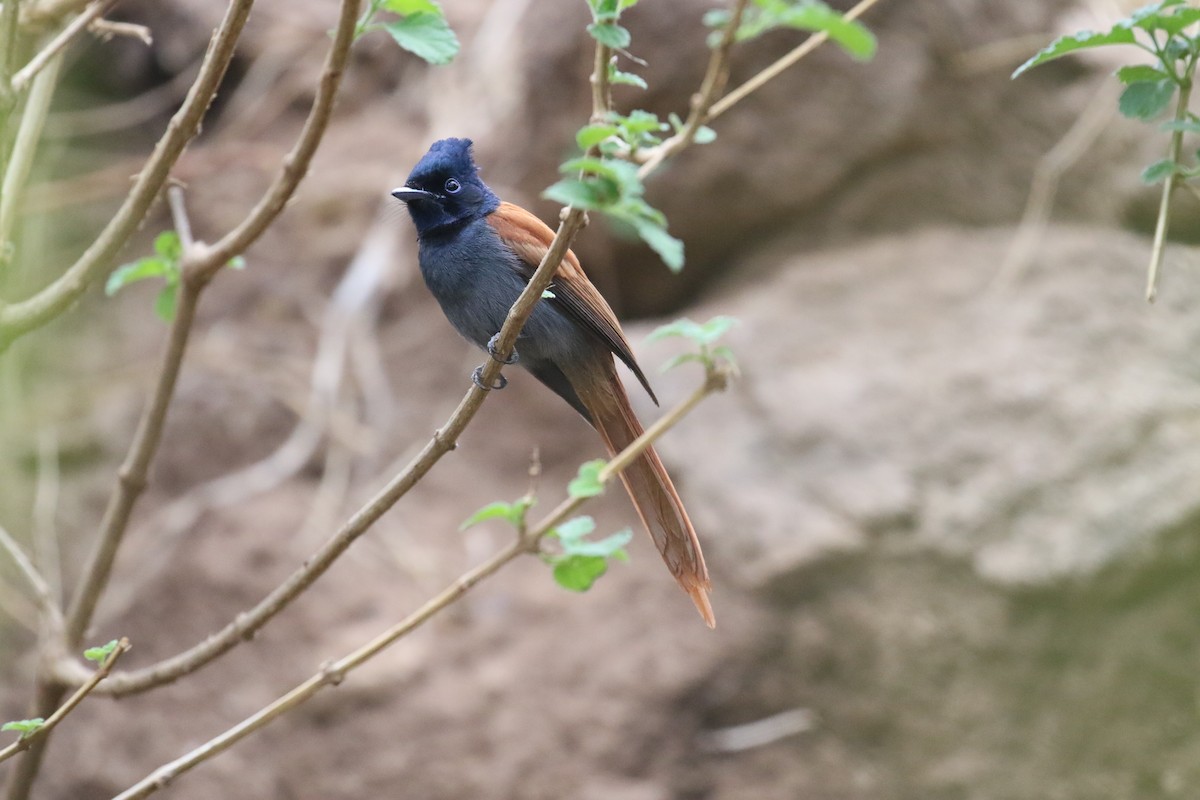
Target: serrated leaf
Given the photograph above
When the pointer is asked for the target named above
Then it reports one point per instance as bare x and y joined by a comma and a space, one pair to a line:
622, 173
23, 726
1082, 40
811, 15
167, 245
587, 483
591, 135
143, 268
1159, 170
98, 654
1145, 100
610, 34
1140, 72
579, 573
167, 301
609, 547
425, 35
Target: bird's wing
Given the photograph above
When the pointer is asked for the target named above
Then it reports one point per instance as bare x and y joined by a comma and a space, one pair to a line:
530, 238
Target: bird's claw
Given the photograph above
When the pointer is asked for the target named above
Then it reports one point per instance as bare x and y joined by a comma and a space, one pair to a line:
477, 379
491, 348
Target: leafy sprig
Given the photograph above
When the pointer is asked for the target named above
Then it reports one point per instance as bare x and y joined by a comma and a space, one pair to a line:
807, 15
580, 561
704, 336
166, 263
419, 27
26, 727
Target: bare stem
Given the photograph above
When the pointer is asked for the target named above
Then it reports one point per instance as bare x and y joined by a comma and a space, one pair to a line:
56, 45
333, 673
41, 587
26, 742
20, 318
601, 91
1164, 205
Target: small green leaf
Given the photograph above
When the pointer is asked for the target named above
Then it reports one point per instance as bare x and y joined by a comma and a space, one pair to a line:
591, 135
1140, 72
1185, 125
513, 513
573, 530
1145, 100
704, 135
166, 302
716, 18
426, 35
578, 573
609, 547
548, 295
1076, 41
406, 7
669, 249
810, 15
143, 268
682, 358
610, 34
616, 76
704, 334
574, 192
98, 654
1159, 170
27, 726
237, 262
587, 483
167, 245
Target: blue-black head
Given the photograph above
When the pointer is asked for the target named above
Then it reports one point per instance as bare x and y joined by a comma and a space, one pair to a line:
444, 189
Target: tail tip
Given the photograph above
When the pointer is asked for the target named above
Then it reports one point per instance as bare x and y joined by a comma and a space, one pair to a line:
699, 595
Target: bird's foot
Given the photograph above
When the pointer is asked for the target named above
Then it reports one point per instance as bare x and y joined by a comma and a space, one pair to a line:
491, 348
477, 379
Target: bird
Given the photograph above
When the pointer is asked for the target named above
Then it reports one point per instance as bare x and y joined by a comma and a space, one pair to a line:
476, 254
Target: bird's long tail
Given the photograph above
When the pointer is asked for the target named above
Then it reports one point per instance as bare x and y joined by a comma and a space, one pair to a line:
649, 487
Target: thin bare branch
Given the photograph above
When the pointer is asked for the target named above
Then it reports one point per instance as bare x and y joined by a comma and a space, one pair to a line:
333, 673
179, 217
45, 510
106, 29
56, 45
1164, 205
19, 318
39, 584
102, 672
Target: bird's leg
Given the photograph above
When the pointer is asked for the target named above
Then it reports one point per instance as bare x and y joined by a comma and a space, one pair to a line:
477, 379
491, 348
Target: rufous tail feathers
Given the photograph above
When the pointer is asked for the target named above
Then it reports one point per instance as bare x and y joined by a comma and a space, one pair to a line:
651, 490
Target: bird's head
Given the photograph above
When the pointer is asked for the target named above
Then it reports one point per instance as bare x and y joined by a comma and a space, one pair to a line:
444, 188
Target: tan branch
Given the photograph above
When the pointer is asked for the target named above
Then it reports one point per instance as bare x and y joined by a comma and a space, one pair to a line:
56, 45
41, 587
333, 673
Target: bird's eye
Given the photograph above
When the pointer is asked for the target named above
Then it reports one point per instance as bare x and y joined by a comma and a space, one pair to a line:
453, 186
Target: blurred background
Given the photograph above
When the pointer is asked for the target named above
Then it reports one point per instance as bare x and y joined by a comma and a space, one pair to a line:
950, 508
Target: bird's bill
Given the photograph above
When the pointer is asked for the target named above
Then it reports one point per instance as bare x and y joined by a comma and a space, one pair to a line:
408, 194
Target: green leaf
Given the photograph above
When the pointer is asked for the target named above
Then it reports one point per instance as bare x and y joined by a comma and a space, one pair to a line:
98, 654
1145, 100
143, 268
426, 35
1191, 125
617, 77
716, 327
669, 249
1140, 72
809, 15
237, 262
587, 483
1159, 171
573, 530
548, 295
1076, 41
682, 358
591, 135
167, 245
610, 34
28, 726
609, 547
406, 7
574, 192
704, 135
704, 334
166, 302
578, 573
513, 513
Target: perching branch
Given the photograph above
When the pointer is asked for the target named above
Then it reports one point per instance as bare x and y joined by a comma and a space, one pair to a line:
29, 740
19, 318
333, 673
77, 26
